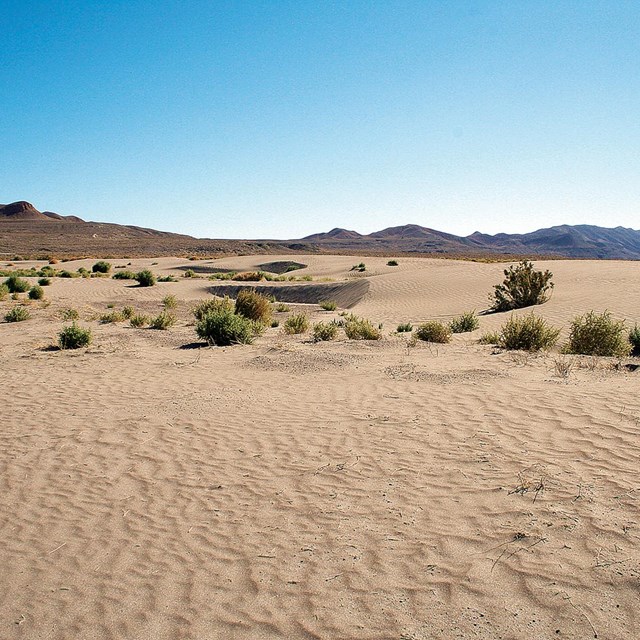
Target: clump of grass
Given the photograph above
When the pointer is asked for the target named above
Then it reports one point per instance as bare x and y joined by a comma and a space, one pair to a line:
211, 305
124, 275
85, 273
253, 305
167, 279
405, 327
74, 337
522, 286
296, 323
598, 334
222, 327
170, 302
36, 292
101, 267
361, 329
323, 331
328, 305
250, 276
634, 340
392, 263
139, 320
44, 282
359, 267
465, 323
4, 291
128, 312
69, 314
223, 275
563, 367
275, 323
528, 333
17, 314
145, 278
111, 317
491, 337
282, 308
16, 284
162, 321
433, 331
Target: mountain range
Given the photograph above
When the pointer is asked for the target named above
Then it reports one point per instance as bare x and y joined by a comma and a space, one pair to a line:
24, 229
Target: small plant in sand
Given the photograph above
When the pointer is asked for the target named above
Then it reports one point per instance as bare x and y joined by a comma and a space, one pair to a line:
139, 320
491, 337
17, 285
4, 291
211, 305
223, 328
296, 323
361, 329
528, 333
162, 321
145, 278
189, 273
250, 276
392, 263
359, 267
111, 317
168, 279
598, 334
405, 327
170, 302
282, 308
634, 340
17, 314
128, 312
254, 306
563, 367
36, 292
275, 323
465, 323
69, 314
522, 286
44, 282
101, 267
124, 275
328, 305
433, 331
323, 331
74, 337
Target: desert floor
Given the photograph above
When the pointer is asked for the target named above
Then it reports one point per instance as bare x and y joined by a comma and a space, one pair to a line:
155, 488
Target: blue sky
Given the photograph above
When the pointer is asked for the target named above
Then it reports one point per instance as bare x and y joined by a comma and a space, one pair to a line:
279, 119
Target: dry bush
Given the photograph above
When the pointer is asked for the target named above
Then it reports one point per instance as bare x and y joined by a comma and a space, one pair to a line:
223, 328
212, 305
528, 333
522, 286
296, 323
254, 306
464, 323
594, 334
325, 331
434, 331
361, 329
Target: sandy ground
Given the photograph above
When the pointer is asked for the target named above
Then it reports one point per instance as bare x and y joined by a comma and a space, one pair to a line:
151, 488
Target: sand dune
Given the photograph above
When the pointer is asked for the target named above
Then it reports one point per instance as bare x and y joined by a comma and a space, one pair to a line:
336, 490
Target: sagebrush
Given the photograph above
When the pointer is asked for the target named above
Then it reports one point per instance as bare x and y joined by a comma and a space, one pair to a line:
523, 286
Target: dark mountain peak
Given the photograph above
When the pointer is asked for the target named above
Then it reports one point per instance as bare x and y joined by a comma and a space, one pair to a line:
334, 234
21, 210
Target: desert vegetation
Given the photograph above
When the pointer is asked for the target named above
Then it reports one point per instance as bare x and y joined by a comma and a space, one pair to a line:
598, 334
74, 337
146, 278
434, 331
361, 329
323, 331
254, 306
223, 327
17, 314
527, 333
464, 323
296, 323
101, 267
522, 286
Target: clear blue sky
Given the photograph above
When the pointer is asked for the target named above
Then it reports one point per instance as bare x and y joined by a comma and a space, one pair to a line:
277, 119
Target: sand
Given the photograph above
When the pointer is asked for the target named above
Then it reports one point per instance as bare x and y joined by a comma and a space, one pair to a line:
153, 488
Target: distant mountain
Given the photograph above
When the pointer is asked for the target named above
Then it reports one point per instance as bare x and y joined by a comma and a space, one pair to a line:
24, 210
334, 234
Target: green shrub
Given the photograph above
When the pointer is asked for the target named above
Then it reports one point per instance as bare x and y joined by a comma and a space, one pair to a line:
492, 337
100, 267
466, 322
44, 282
4, 291
250, 276
523, 286
405, 327
128, 312
433, 331
527, 333
328, 305
224, 328
596, 334
251, 304
111, 317
296, 323
17, 314
74, 337
69, 314
275, 323
85, 273
167, 279
227, 275
138, 320
282, 308
36, 293
145, 278
163, 320
361, 329
189, 273
324, 331
170, 302
212, 305
634, 340
124, 275
69, 274
16, 284
392, 263
359, 267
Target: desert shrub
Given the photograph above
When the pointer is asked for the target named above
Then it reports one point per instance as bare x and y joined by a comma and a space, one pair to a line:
223, 327
69, 314
4, 291
168, 279
405, 327
634, 340
44, 282
85, 273
16, 284
433, 331
324, 331
598, 334
138, 320
162, 321
189, 273
170, 302
36, 292
47, 271
527, 333
466, 322
145, 278
226, 275
392, 263
522, 286
128, 312
17, 314
111, 317
359, 267
328, 305
361, 329
250, 276
296, 323
74, 337
275, 323
491, 337
213, 304
124, 275
253, 305
101, 267
69, 274
282, 308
